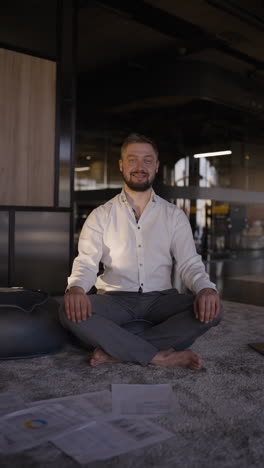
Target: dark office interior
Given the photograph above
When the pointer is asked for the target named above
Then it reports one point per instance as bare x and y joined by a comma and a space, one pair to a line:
189, 75
77, 76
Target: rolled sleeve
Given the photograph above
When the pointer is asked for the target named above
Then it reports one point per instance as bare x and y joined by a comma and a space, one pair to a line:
86, 264
189, 264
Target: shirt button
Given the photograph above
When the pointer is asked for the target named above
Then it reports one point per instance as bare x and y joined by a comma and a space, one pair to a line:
139, 245
142, 284
138, 227
140, 264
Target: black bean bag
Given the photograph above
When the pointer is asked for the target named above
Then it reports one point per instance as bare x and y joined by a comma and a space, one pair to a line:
29, 324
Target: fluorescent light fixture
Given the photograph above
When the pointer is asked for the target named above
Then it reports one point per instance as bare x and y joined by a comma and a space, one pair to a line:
82, 169
213, 153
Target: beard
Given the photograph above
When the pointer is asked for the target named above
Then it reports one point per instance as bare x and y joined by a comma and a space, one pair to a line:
138, 185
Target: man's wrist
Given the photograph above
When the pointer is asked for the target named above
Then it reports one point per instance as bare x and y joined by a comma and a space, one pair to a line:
75, 289
208, 289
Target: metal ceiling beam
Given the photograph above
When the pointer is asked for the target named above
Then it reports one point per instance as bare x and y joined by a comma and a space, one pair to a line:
243, 14
125, 90
170, 25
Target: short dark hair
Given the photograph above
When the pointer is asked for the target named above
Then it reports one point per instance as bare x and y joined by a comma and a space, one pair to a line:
138, 138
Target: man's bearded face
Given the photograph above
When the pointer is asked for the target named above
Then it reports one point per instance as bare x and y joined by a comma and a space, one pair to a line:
139, 165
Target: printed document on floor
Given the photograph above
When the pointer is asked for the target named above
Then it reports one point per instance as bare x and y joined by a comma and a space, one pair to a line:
27, 428
104, 439
142, 400
93, 403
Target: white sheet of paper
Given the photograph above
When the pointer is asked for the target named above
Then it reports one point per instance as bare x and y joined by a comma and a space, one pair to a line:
24, 429
32, 426
92, 404
10, 402
141, 400
104, 439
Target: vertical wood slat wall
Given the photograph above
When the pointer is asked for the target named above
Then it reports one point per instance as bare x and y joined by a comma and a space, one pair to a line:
27, 129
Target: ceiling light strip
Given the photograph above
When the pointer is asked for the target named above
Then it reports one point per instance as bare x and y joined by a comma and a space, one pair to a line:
211, 154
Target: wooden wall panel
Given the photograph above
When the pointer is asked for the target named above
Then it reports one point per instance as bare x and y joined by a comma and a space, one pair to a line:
27, 129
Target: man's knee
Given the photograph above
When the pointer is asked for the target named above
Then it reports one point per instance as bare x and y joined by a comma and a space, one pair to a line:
219, 317
64, 320
62, 315
215, 321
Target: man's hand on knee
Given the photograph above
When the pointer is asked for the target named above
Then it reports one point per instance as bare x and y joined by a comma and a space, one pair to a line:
78, 306
206, 305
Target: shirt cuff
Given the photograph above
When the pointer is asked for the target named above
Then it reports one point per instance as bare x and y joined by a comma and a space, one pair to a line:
79, 284
202, 284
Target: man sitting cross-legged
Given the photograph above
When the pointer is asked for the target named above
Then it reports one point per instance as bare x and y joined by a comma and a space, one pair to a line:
138, 237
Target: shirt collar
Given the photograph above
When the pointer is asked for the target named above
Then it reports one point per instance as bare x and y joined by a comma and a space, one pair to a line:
123, 197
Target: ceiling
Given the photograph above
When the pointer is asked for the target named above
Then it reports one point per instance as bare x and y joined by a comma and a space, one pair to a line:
190, 71
185, 72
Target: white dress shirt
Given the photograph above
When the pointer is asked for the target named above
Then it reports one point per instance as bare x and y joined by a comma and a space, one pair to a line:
137, 255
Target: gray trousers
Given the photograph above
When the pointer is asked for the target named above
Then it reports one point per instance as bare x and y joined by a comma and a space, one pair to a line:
171, 313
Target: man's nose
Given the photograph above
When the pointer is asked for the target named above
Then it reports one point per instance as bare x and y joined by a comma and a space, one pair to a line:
140, 165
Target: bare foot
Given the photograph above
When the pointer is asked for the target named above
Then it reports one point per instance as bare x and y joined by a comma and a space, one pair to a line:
171, 358
100, 357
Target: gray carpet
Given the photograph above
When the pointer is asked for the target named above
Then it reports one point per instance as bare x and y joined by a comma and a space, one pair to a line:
218, 419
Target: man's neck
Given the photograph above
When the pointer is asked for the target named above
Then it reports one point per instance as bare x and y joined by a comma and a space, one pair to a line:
137, 200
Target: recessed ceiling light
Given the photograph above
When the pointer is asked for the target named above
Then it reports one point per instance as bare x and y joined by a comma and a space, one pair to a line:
213, 153
82, 169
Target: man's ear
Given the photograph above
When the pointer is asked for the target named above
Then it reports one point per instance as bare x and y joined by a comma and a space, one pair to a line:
121, 165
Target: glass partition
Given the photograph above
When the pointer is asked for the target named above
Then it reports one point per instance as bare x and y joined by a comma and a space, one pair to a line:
4, 229
241, 168
97, 162
42, 250
230, 238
